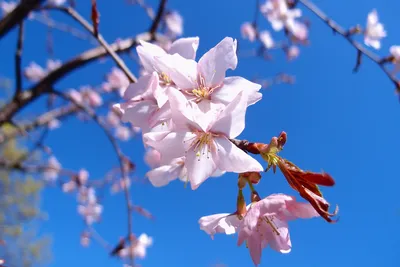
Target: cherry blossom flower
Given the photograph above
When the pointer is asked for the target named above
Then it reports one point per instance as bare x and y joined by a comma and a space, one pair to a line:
204, 82
53, 64
91, 97
76, 96
292, 52
227, 223
76, 181
141, 108
123, 133
374, 31
266, 39
138, 248
34, 72
117, 80
174, 22
120, 185
162, 175
113, 119
54, 167
266, 223
54, 124
248, 31
85, 239
147, 52
7, 6
395, 52
152, 158
204, 139
85, 193
91, 210
279, 15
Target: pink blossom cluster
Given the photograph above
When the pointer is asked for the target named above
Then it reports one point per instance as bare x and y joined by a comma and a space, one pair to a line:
188, 111
264, 223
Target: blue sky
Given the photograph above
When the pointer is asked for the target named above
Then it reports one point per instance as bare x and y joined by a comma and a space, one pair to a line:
343, 123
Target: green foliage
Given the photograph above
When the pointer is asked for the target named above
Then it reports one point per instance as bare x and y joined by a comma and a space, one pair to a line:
21, 215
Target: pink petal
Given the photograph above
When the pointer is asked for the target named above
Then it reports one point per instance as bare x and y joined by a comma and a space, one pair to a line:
302, 210
184, 114
233, 86
139, 113
231, 121
143, 89
182, 71
186, 47
170, 145
146, 52
200, 165
213, 64
254, 244
233, 159
282, 241
161, 176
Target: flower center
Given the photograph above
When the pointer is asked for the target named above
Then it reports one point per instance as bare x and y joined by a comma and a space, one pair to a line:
202, 144
164, 79
202, 92
269, 222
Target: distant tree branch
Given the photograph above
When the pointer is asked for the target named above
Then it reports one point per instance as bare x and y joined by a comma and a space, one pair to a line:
158, 18
44, 85
17, 15
361, 50
81, 20
18, 58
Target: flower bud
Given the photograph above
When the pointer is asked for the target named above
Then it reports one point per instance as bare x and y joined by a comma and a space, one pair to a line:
240, 204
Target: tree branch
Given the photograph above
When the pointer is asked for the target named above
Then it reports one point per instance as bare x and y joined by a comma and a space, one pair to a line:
77, 17
18, 57
17, 15
158, 18
43, 86
361, 50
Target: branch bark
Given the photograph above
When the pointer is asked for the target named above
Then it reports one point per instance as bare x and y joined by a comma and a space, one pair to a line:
17, 15
44, 86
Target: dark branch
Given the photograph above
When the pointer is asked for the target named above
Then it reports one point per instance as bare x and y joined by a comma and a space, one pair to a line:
77, 17
18, 57
158, 18
44, 86
344, 33
17, 15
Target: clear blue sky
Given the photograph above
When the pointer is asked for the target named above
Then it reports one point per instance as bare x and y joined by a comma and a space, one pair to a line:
343, 123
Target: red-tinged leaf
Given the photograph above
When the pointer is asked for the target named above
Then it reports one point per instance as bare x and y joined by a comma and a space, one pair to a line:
318, 178
95, 18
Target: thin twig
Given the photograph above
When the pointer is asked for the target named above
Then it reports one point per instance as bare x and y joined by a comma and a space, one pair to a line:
158, 18
44, 85
77, 17
118, 151
344, 33
18, 57
15, 17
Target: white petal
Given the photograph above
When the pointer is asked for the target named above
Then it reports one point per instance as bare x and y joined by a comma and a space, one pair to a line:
186, 47
231, 121
213, 64
233, 86
233, 159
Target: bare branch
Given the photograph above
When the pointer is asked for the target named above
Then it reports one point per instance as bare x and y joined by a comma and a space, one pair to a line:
158, 18
76, 16
17, 15
344, 33
44, 86
121, 157
18, 57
